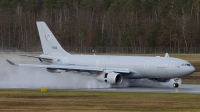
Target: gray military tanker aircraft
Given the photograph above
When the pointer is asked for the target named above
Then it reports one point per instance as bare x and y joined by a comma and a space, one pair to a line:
109, 69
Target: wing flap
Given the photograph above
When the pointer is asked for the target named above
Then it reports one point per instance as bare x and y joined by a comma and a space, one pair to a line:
79, 68
120, 70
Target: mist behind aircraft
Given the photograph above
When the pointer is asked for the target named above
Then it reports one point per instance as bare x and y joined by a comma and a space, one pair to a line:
16, 77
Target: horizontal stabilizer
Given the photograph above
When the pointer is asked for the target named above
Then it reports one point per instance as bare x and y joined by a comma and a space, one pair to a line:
29, 55
35, 56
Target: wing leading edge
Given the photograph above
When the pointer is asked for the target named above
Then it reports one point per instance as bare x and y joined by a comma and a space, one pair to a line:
73, 67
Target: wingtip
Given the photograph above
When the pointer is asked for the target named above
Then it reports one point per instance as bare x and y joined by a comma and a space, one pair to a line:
10, 62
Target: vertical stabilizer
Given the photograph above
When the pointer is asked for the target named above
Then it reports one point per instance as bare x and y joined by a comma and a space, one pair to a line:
48, 40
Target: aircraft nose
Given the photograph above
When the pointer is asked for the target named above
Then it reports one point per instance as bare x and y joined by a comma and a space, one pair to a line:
187, 71
192, 69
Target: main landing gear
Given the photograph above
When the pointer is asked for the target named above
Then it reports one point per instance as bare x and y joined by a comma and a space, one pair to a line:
176, 82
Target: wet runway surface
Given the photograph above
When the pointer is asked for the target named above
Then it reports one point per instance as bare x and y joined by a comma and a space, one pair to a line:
184, 88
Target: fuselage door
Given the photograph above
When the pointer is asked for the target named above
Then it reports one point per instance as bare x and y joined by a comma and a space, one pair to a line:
171, 65
146, 65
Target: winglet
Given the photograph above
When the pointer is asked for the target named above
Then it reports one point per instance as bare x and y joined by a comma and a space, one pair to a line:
11, 62
166, 55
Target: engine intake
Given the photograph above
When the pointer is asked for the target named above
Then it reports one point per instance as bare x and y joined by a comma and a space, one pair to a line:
112, 78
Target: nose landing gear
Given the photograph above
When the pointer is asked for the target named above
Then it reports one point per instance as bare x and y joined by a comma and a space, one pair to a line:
175, 85
176, 82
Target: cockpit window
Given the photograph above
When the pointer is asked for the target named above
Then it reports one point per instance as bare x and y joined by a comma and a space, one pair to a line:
186, 65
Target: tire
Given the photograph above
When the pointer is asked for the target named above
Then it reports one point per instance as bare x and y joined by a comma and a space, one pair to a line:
175, 85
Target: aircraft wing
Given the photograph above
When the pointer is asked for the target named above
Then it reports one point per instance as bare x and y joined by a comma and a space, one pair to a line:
73, 67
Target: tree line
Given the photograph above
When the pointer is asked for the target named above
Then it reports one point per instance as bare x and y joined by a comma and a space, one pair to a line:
102, 23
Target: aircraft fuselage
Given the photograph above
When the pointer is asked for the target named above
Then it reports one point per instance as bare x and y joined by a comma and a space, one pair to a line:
140, 67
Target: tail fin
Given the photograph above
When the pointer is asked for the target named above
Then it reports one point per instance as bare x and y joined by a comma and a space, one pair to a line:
48, 40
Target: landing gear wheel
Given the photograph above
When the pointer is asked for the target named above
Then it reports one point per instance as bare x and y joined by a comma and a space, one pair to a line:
175, 85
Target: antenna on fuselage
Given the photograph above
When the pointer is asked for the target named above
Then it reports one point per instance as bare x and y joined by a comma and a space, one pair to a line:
166, 55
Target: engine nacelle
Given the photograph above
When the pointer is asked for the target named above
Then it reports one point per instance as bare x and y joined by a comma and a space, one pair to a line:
112, 78
54, 70
160, 79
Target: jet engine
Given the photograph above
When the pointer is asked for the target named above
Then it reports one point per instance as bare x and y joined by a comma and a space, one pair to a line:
160, 79
112, 78
54, 70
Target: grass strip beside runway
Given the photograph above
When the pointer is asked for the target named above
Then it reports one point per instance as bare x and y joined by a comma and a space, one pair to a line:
34, 100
